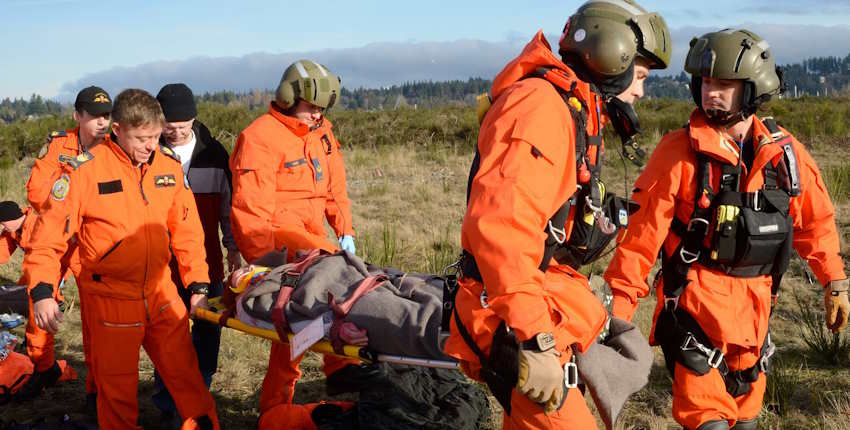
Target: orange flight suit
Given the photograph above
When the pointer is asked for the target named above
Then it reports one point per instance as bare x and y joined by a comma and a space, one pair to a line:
39, 342
129, 220
61, 147
287, 177
527, 171
732, 311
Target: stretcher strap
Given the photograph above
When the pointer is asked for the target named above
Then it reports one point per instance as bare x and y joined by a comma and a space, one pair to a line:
341, 310
224, 316
288, 282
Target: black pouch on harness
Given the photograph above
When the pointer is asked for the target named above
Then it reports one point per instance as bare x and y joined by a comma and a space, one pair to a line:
501, 371
765, 233
673, 331
587, 238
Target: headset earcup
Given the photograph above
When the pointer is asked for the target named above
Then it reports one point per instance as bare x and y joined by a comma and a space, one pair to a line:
287, 93
696, 90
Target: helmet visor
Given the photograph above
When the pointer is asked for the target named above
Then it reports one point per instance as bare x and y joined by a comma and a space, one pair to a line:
656, 44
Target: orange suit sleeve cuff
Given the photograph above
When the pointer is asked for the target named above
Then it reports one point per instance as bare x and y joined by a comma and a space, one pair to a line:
624, 308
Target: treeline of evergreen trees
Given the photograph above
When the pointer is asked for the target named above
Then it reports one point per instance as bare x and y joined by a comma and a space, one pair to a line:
814, 76
819, 75
11, 110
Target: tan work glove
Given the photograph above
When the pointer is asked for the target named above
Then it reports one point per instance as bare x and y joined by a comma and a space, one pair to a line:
837, 305
541, 378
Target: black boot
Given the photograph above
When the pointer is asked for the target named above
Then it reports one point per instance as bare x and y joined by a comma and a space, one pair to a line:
714, 425
38, 382
746, 424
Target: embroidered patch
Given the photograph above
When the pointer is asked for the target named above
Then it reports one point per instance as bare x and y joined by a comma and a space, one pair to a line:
318, 168
65, 159
43, 151
296, 163
60, 188
164, 181
110, 187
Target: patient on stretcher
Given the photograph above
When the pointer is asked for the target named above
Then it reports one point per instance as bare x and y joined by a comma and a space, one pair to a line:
390, 311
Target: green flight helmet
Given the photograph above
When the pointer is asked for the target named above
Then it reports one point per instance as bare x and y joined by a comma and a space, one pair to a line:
603, 38
735, 54
308, 81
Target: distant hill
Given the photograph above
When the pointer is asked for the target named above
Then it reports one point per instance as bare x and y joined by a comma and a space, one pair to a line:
814, 76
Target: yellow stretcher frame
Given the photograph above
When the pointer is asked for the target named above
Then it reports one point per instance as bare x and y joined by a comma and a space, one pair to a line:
322, 346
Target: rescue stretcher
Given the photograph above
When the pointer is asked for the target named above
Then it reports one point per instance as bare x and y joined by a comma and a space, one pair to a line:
364, 354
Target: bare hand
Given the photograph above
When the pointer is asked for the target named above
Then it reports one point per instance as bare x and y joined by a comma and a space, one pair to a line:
234, 260
197, 301
47, 315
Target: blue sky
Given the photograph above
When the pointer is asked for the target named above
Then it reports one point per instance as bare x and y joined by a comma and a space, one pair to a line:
47, 43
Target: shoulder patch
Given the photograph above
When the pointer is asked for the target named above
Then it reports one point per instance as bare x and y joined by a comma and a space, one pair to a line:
54, 134
44, 149
169, 152
60, 188
78, 161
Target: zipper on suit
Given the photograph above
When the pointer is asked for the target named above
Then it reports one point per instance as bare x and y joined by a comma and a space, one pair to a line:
147, 248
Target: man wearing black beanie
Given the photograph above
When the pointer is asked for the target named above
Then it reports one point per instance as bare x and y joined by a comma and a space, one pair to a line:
205, 164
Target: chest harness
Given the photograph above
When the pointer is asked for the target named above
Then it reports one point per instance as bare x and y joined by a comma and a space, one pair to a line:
750, 235
598, 217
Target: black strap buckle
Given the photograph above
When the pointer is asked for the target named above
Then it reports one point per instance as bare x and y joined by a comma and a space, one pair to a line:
290, 279
571, 373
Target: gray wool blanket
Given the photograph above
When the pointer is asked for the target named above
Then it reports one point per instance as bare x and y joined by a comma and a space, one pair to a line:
402, 316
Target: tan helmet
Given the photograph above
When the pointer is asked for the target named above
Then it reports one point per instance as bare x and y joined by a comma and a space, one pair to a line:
603, 38
308, 81
735, 54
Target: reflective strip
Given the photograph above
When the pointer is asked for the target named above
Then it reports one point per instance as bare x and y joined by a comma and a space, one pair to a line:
621, 4
321, 69
301, 70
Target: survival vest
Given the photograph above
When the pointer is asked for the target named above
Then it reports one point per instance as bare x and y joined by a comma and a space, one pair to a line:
750, 234
597, 215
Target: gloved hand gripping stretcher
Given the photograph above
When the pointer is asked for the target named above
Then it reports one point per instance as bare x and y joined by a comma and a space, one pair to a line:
370, 313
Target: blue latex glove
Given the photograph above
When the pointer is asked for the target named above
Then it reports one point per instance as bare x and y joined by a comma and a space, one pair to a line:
346, 242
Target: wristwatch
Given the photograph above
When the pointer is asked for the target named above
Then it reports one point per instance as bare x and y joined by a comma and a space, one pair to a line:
199, 288
540, 342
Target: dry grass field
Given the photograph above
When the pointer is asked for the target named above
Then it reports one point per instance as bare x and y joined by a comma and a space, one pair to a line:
407, 175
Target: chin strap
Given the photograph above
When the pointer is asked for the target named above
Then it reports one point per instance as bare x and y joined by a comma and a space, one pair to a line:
626, 124
722, 118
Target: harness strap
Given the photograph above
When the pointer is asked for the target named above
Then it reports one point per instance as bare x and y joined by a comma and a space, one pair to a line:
683, 340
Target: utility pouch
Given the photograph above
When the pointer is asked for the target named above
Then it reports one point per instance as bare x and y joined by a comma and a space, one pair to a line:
587, 238
724, 242
501, 371
764, 236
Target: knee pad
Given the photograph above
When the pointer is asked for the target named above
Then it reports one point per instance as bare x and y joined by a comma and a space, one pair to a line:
746, 424
714, 425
